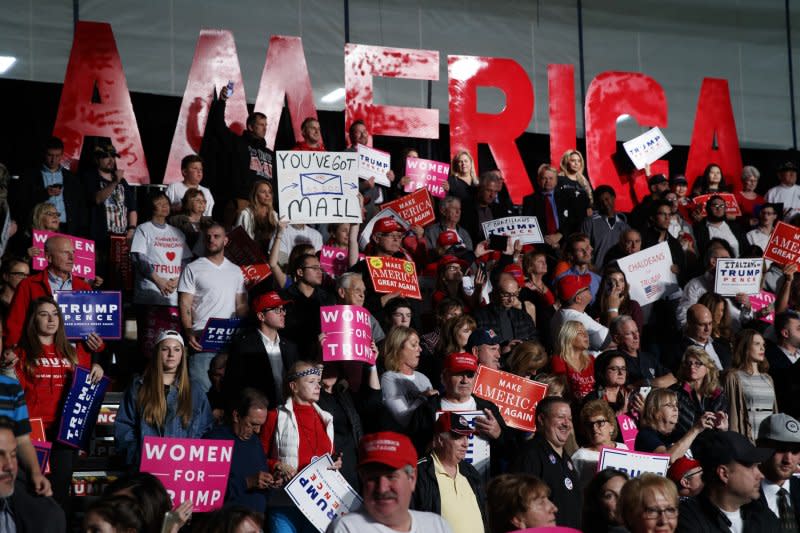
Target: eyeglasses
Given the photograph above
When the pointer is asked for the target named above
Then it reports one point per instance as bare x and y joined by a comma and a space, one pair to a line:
651, 513
278, 310
52, 214
312, 267
618, 369
716, 206
453, 267
509, 294
598, 424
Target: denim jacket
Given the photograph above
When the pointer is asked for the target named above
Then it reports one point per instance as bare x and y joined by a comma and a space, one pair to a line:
130, 429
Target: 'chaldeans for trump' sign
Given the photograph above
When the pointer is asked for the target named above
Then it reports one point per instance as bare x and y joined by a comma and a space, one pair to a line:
735, 276
315, 187
190, 469
515, 396
88, 312
649, 273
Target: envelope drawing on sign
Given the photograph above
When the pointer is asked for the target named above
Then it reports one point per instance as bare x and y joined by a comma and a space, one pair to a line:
320, 183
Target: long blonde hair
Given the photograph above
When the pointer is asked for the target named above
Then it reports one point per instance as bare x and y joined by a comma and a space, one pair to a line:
393, 345
566, 336
151, 398
579, 176
711, 381
473, 179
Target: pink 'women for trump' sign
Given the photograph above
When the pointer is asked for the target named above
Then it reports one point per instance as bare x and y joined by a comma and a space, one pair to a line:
348, 335
427, 174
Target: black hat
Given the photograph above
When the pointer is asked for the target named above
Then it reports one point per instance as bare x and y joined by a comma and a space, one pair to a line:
678, 179
105, 150
655, 180
713, 448
787, 166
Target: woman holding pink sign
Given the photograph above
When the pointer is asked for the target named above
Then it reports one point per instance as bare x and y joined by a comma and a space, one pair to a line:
45, 363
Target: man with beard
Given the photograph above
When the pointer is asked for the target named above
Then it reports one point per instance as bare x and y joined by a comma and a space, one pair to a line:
731, 480
605, 226
446, 483
387, 467
780, 489
658, 232
715, 226
544, 457
578, 253
20, 510
209, 287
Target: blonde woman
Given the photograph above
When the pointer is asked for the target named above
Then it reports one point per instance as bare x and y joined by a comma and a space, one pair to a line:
573, 359
658, 421
404, 389
259, 219
748, 386
462, 180
649, 503
163, 402
698, 391
573, 167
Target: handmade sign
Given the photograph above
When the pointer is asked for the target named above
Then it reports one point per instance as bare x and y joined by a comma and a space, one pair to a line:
219, 332
784, 244
348, 335
427, 174
514, 395
633, 463
415, 208
242, 250
731, 205
81, 408
763, 305
524, 229
478, 449
83, 262
88, 312
649, 273
647, 148
390, 274
374, 164
628, 429
734, 276
322, 494
315, 187
190, 469
366, 233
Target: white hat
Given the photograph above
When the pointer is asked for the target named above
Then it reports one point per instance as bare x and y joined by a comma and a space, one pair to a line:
170, 334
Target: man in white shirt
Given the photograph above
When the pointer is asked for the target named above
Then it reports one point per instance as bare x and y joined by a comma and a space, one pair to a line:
780, 489
192, 171
575, 296
787, 192
209, 287
387, 467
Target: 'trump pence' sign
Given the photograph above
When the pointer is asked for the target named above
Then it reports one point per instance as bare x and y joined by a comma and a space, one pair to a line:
348, 336
633, 463
374, 164
190, 469
315, 187
88, 312
734, 276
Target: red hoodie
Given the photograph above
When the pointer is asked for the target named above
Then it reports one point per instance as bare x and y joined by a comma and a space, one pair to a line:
46, 390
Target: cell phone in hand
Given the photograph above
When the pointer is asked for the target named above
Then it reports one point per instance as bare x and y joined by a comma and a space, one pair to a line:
498, 242
171, 519
230, 88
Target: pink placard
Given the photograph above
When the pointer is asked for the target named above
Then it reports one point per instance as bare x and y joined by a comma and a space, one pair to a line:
628, 429
425, 173
84, 253
348, 335
190, 469
763, 306
333, 260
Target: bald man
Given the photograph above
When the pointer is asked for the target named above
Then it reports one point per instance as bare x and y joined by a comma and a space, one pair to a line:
506, 315
698, 333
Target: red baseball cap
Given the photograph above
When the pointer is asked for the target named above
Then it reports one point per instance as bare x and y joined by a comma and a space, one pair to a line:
450, 260
516, 271
387, 225
461, 362
447, 238
570, 285
454, 423
387, 448
680, 467
268, 300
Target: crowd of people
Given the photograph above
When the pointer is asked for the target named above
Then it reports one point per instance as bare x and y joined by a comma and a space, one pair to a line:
706, 379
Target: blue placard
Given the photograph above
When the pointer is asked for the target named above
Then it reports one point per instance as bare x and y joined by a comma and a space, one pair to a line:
81, 409
219, 332
88, 312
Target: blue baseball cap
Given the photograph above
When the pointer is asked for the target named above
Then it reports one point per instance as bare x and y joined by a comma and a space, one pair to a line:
483, 336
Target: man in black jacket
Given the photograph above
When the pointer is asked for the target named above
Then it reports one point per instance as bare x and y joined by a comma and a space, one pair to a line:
558, 209
780, 489
732, 481
446, 483
260, 358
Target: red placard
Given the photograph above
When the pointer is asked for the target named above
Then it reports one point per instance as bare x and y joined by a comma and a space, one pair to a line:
515, 396
784, 244
390, 274
255, 274
415, 208
731, 205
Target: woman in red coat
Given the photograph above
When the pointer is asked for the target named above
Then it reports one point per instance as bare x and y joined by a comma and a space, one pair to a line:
44, 367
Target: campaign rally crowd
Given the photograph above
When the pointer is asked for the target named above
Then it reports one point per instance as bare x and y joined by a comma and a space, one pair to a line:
710, 382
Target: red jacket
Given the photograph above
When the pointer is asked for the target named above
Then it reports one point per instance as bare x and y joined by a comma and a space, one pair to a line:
28, 290
46, 389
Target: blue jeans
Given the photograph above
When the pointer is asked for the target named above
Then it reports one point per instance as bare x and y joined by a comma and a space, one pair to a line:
287, 520
198, 369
